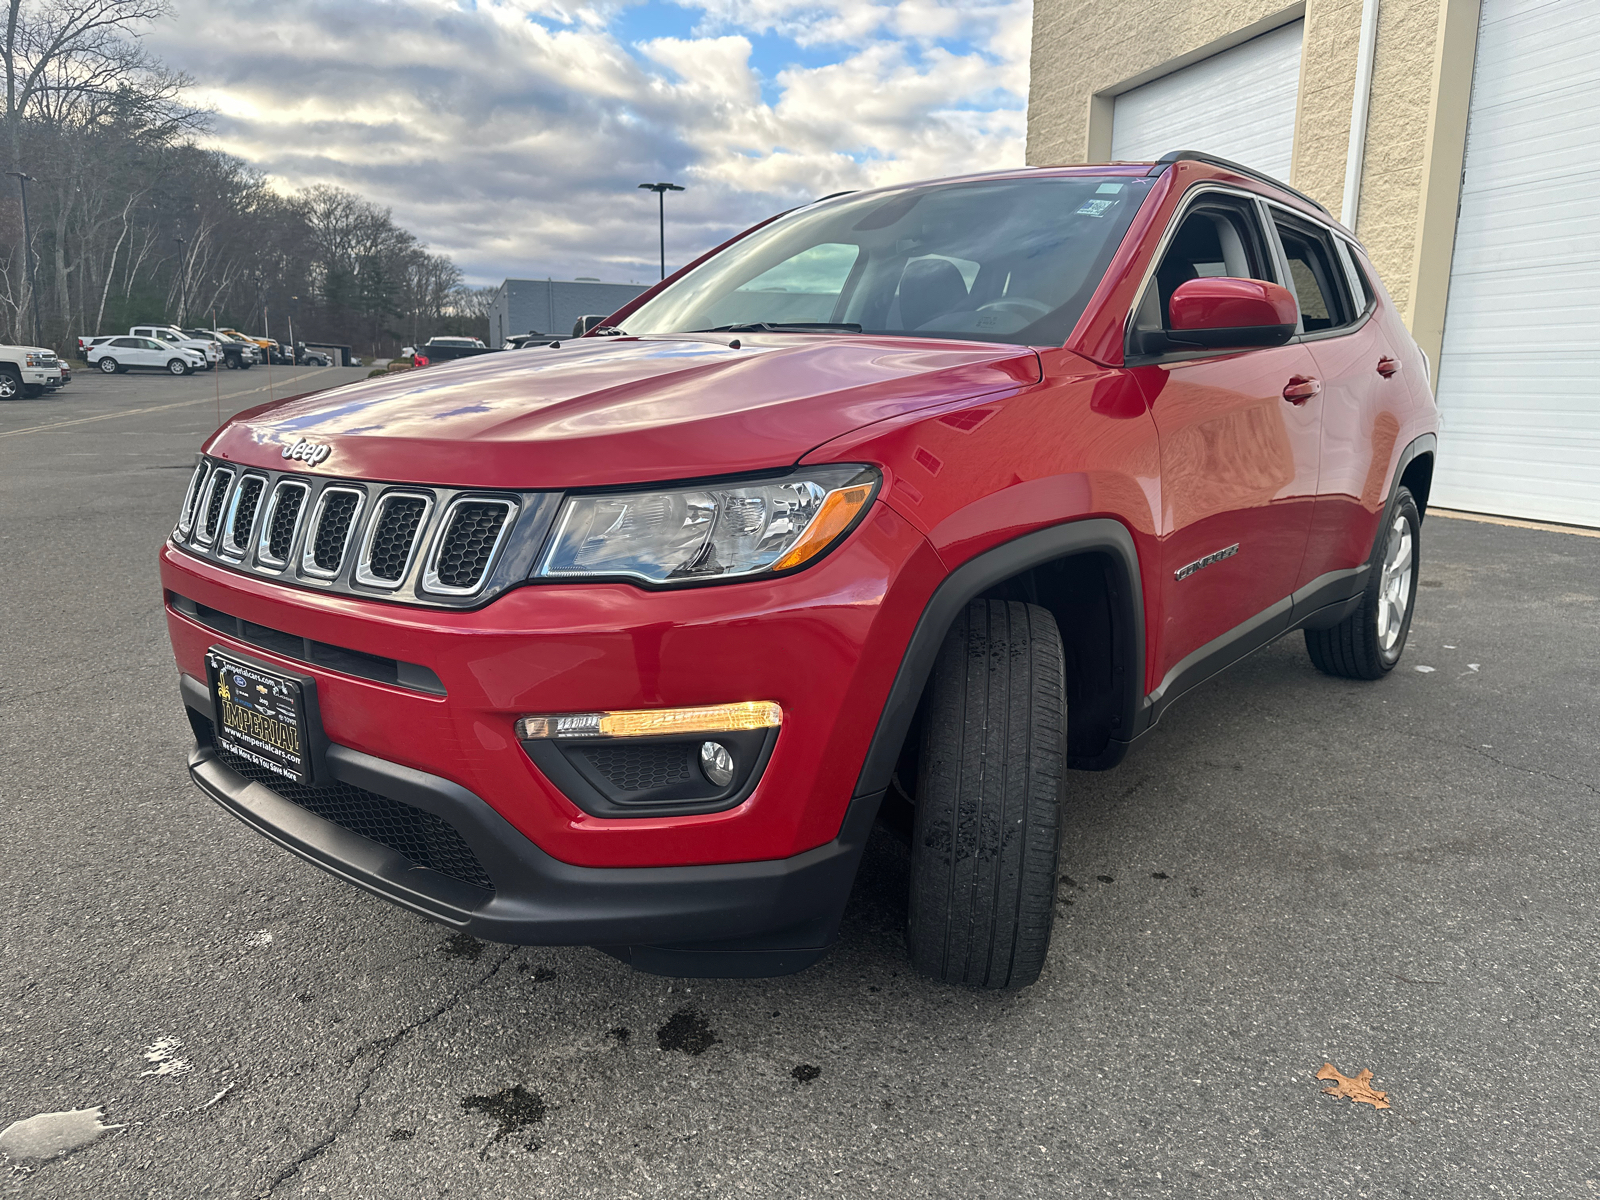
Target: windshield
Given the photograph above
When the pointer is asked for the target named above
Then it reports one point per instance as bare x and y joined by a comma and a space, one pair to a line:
1011, 260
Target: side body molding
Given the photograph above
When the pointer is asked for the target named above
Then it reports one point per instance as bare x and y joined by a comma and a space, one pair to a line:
976, 576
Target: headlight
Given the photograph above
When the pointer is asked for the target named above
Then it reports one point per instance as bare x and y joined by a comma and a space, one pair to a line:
36, 360
715, 531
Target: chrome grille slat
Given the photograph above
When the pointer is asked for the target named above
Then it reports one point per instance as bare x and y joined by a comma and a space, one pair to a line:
473, 529
191, 498
393, 535
241, 517
333, 524
281, 522
216, 495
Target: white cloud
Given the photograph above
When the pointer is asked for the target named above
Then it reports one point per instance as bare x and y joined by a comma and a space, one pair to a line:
512, 134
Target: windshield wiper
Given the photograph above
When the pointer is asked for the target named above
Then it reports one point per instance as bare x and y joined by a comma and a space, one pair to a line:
783, 327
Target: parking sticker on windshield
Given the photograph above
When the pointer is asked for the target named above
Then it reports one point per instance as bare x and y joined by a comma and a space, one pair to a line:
1095, 208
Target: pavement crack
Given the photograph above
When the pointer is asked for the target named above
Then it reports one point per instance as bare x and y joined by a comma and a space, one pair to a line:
380, 1049
1500, 762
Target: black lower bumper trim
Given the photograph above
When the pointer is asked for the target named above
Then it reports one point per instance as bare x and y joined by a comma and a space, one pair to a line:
703, 918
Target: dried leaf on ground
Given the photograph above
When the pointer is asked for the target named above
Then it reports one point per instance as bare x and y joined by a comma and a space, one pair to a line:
1358, 1090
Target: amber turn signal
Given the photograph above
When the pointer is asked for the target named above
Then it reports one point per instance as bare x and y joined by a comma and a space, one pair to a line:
654, 722
838, 510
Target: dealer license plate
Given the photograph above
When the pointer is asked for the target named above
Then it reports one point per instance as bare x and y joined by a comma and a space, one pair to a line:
260, 716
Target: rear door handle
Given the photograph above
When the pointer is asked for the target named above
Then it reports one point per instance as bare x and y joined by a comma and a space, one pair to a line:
1301, 388
1388, 366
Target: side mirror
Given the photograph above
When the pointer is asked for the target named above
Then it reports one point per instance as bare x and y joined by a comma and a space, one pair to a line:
586, 323
1222, 313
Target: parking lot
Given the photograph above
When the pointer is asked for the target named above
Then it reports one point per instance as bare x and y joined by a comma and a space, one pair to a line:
1292, 870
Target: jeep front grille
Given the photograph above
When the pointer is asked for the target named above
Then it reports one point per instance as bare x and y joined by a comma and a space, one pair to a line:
436, 546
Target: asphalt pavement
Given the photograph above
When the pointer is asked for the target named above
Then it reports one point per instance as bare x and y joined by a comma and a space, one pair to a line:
1293, 870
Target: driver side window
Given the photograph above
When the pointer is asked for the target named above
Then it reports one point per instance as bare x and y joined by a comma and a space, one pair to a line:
1219, 236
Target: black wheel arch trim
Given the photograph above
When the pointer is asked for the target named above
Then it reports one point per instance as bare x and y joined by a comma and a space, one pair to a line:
1427, 445
969, 581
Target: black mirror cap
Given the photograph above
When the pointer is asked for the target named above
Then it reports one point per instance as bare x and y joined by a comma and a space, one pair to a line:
1246, 337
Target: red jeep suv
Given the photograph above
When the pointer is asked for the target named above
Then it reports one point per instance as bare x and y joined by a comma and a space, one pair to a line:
898, 505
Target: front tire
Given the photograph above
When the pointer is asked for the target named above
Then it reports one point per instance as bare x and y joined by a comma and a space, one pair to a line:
176, 366
987, 825
109, 366
1368, 643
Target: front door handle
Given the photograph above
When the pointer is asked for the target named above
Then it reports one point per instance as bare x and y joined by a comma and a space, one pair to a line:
1301, 388
1388, 366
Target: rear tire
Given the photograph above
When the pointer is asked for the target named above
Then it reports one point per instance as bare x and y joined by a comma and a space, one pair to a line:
109, 366
986, 830
1368, 643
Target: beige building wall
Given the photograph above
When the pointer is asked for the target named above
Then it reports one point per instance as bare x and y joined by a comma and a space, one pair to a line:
1085, 52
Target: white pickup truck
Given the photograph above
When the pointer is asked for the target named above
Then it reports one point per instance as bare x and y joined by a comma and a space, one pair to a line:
25, 371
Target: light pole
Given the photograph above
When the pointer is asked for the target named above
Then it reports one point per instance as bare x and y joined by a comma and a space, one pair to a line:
183, 279
661, 190
27, 249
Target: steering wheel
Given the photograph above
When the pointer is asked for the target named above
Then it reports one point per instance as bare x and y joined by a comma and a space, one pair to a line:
1017, 302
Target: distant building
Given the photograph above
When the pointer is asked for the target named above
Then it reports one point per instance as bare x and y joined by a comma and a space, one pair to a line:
552, 305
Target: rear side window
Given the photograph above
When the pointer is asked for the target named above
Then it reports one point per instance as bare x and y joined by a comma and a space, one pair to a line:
1316, 276
1363, 285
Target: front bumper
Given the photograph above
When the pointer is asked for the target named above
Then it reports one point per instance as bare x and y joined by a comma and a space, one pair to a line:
824, 644
716, 921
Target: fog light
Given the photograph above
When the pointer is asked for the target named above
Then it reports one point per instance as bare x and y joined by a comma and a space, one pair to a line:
717, 763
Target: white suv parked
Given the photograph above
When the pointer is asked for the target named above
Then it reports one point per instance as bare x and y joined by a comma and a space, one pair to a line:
173, 336
119, 353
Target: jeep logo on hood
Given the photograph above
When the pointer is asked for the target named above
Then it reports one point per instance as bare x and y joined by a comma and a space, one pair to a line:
312, 453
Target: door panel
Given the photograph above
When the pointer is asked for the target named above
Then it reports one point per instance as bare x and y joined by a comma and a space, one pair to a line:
1239, 467
1359, 428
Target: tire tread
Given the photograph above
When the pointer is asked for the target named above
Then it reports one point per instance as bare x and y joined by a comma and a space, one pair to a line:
988, 809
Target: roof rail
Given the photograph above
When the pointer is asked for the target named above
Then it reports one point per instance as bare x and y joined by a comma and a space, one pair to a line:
1166, 160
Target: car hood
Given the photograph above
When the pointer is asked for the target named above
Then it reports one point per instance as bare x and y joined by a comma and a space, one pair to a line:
599, 411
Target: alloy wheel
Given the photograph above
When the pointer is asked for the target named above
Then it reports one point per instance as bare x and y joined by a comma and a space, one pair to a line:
1394, 587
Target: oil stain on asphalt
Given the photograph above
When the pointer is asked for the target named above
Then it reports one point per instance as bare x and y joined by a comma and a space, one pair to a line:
805, 1073
462, 945
514, 1107
686, 1030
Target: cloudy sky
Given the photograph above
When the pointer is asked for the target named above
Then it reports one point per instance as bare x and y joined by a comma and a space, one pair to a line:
512, 134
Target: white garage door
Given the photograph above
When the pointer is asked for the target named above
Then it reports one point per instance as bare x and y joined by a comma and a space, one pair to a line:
1519, 389
1238, 104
